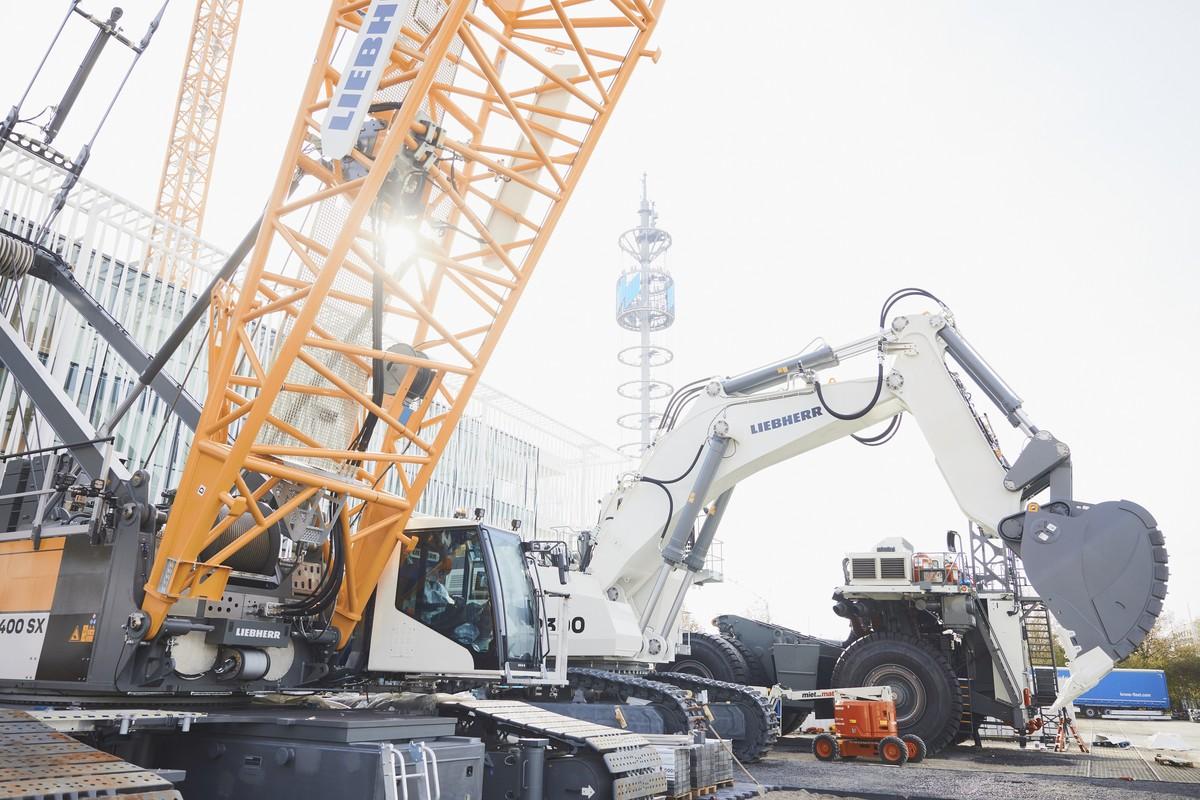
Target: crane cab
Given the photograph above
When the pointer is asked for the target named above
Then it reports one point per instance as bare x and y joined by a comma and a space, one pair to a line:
462, 603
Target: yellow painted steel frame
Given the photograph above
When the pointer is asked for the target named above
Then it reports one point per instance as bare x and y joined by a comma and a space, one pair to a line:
196, 125
493, 74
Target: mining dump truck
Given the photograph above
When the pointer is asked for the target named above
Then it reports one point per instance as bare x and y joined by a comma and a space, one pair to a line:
955, 635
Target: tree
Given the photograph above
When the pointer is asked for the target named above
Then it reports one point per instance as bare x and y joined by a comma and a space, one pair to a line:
1172, 648
760, 611
1060, 655
689, 624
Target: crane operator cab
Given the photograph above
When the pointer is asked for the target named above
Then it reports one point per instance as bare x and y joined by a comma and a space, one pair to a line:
462, 602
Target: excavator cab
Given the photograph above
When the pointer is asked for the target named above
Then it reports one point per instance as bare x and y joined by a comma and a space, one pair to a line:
462, 602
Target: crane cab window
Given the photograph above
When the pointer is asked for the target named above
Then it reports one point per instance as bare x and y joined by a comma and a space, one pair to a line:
444, 584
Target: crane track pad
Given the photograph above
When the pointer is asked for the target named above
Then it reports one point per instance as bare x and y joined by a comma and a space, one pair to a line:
1101, 569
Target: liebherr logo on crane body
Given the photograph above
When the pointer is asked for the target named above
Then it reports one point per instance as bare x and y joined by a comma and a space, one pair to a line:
259, 633
360, 79
786, 419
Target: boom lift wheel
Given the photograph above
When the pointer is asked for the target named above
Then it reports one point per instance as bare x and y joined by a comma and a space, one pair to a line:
916, 748
893, 750
825, 747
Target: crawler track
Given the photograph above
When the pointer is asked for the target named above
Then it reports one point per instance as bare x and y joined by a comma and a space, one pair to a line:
683, 712
762, 723
632, 765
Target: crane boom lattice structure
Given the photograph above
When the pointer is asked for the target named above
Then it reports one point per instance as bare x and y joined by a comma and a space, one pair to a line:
188, 166
386, 270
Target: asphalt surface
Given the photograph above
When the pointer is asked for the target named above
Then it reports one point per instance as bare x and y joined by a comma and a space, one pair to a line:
999, 771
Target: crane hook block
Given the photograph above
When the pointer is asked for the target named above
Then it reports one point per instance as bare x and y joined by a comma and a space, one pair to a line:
1101, 569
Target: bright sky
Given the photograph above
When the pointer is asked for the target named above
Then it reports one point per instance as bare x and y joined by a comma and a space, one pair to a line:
1035, 165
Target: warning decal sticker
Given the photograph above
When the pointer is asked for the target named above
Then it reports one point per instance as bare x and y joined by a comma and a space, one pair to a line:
67, 650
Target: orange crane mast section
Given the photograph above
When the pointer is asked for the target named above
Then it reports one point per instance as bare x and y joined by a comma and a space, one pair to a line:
484, 119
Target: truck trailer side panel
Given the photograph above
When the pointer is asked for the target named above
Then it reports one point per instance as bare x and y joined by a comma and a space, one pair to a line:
1126, 689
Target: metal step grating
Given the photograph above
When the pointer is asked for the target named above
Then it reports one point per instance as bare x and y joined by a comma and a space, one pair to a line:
38, 762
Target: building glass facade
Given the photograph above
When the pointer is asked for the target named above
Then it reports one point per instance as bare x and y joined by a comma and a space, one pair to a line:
505, 458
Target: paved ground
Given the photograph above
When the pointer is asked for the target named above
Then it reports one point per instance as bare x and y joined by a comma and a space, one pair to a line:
1001, 770
1139, 731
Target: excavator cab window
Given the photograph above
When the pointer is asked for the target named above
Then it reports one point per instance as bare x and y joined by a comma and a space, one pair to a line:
471, 586
518, 615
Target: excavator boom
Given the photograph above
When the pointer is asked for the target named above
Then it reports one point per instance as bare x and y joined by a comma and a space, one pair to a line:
1100, 567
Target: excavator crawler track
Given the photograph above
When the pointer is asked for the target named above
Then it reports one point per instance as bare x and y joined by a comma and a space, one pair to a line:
762, 723
633, 766
686, 712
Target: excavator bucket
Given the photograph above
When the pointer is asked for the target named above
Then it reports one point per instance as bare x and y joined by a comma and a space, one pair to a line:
1101, 569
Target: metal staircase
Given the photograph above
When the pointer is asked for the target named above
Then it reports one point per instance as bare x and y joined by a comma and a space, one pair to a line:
966, 722
1039, 641
1038, 630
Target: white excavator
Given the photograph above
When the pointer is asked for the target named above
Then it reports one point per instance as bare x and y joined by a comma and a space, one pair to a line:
1101, 568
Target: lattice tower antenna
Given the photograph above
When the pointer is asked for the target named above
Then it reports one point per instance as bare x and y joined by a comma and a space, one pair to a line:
645, 306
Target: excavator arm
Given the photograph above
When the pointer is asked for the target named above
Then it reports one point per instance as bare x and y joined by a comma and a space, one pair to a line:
1100, 567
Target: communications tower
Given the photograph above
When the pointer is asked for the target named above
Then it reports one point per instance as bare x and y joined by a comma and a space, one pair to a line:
646, 307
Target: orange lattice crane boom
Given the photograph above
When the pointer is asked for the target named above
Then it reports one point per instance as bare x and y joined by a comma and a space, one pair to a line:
426, 169
195, 127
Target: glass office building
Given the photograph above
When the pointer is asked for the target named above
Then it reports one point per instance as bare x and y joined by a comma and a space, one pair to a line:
505, 457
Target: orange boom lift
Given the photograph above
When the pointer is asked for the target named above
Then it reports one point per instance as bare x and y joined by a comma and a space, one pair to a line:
864, 725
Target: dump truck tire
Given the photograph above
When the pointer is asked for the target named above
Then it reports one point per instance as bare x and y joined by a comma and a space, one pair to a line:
756, 674
790, 721
928, 702
712, 657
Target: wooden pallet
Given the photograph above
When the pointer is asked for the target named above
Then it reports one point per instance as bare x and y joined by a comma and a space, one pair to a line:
704, 791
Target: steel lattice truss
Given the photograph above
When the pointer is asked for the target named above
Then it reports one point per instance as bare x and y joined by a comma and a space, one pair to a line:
510, 101
187, 169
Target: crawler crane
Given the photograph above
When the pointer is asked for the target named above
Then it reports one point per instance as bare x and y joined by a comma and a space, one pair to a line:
434, 150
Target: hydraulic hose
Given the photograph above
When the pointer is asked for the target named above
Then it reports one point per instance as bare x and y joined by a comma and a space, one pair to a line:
895, 297
662, 484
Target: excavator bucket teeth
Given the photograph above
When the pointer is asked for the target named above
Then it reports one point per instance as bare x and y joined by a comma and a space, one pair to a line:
1101, 569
